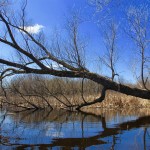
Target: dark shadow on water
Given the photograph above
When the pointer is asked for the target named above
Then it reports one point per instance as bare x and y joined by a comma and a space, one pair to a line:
59, 129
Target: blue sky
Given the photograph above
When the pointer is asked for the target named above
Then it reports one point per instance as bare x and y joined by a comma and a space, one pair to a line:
52, 14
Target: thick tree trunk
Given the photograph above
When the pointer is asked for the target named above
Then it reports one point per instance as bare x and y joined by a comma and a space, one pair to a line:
108, 84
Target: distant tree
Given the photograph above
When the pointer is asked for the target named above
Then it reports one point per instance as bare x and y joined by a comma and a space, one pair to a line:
138, 19
99, 4
111, 56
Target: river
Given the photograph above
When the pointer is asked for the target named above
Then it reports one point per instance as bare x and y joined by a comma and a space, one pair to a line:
64, 130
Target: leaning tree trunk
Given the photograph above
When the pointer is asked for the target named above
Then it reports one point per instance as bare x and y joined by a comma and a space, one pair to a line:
110, 85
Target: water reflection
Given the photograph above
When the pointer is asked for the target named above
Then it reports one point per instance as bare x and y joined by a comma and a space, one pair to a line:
59, 129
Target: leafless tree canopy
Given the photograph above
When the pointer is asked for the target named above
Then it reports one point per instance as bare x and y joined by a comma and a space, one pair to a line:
138, 19
111, 56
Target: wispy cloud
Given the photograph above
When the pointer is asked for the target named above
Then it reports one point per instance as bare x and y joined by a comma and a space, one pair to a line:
34, 29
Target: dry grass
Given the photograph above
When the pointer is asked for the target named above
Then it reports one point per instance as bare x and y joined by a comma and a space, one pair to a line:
61, 93
113, 100
118, 100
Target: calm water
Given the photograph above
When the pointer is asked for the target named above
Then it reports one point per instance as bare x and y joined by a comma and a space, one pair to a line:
64, 130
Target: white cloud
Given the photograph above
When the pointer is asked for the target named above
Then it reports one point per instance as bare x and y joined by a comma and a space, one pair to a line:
55, 65
34, 29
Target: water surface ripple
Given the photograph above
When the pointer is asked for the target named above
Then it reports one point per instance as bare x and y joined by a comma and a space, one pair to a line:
59, 129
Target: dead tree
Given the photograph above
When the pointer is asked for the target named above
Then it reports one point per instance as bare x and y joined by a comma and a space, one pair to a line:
38, 58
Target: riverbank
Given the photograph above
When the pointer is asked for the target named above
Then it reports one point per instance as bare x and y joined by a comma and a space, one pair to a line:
113, 100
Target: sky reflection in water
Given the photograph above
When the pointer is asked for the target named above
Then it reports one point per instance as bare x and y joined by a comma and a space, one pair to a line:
66, 130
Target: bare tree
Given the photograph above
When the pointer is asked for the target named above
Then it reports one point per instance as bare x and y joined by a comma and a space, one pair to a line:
35, 51
73, 46
138, 19
110, 57
99, 4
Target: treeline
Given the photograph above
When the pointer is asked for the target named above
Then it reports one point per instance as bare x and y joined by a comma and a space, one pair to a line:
33, 84
34, 92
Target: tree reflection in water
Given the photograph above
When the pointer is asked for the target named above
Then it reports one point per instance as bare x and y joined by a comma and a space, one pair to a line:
70, 130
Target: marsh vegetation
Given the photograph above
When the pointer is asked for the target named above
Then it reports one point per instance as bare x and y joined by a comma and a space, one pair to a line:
36, 92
